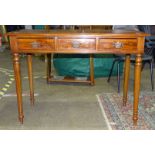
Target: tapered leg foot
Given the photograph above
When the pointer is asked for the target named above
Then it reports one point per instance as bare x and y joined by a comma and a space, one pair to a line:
32, 100
21, 119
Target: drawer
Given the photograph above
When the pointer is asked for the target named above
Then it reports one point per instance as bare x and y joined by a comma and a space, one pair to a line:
113, 44
79, 44
36, 44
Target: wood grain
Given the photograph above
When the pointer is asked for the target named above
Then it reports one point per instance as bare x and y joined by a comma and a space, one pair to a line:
30, 75
127, 44
16, 66
126, 78
137, 81
36, 44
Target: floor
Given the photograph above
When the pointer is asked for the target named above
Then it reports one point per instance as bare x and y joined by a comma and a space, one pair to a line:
57, 107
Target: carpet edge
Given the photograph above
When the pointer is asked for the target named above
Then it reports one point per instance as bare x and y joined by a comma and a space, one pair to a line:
103, 113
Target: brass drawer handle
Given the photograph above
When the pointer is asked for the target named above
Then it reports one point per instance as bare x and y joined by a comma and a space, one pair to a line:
35, 44
75, 44
118, 44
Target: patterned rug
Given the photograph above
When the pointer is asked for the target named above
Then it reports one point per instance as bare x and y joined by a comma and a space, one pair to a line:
119, 117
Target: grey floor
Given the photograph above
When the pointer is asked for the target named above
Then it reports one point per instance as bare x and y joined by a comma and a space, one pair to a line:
57, 107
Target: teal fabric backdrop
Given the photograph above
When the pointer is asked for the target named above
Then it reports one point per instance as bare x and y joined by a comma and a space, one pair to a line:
39, 27
78, 65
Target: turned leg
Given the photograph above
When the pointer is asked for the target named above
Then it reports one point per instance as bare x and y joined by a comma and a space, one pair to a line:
92, 69
16, 66
30, 75
48, 66
126, 78
137, 80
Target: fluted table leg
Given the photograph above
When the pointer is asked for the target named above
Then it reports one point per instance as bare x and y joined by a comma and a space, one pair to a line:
126, 78
137, 75
30, 75
16, 66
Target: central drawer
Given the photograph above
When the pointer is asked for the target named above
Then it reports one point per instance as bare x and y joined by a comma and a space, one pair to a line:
36, 44
76, 44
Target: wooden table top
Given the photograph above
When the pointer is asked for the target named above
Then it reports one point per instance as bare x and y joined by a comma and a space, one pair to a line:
97, 33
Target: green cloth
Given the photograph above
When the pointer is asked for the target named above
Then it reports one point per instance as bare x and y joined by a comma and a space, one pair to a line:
39, 27
78, 65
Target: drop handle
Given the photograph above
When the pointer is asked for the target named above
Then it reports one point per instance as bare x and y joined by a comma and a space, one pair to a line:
35, 44
117, 44
75, 44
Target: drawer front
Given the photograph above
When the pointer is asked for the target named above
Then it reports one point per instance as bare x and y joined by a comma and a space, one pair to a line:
76, 44
36, 44
117, 44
